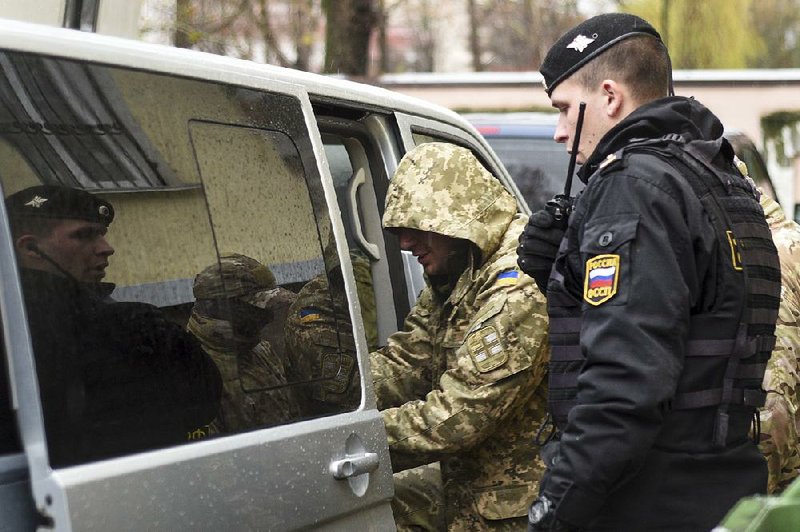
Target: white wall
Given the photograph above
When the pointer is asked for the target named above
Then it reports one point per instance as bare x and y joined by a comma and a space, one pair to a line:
114, 17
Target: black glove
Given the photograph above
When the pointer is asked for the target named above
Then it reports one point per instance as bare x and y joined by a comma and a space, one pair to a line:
542, 517
538, 245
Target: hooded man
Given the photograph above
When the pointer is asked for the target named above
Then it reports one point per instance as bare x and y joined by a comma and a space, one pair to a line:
462, 383
662, 298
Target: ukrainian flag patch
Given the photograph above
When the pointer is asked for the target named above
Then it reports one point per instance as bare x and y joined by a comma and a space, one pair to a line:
508, 278
308, 314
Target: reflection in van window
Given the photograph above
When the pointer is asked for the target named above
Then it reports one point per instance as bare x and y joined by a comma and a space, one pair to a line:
114, 377
72, 126
119, 232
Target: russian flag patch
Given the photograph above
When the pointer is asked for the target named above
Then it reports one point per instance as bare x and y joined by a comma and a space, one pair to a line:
602, 277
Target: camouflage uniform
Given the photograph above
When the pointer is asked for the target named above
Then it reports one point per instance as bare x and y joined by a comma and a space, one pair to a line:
462, 384
779, 416
319, 336
250, 368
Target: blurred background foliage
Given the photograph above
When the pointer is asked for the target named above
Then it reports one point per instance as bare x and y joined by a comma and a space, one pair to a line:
366, 38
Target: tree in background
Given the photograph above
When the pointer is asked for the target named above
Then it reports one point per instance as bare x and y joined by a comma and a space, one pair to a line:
777, 22
702, 34
516, 34
370, 37
350, 24
281, 32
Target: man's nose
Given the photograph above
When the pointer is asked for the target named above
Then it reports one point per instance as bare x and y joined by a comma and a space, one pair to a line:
104, 248
561, 134
406, 240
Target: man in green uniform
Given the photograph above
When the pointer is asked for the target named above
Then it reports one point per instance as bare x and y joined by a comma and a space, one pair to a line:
319, 335
232, 307
780, 416
462, 383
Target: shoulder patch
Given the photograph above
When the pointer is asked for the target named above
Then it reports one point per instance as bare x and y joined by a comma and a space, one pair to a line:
602, 278
308, 314
507, 278
486, 349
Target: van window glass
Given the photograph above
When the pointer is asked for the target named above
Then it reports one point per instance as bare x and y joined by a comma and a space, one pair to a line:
343, 173
538, 166
168, 325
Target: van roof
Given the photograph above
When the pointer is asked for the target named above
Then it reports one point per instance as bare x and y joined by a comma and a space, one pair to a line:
68, 43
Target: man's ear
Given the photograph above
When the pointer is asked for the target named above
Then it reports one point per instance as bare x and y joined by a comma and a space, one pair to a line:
618, 100
614, 99
27, 246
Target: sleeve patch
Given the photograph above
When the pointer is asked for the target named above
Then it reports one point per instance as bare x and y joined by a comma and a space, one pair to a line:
486, 349
309, 314
508, 278
602, 278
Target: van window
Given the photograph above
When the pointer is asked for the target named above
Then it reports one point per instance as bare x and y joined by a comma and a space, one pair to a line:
220, 225
360, 179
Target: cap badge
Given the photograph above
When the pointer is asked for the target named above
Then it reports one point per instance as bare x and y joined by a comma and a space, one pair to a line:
103, 210
36, 202
580, 43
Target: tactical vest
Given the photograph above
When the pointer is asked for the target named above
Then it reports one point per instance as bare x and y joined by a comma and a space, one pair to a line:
740, 359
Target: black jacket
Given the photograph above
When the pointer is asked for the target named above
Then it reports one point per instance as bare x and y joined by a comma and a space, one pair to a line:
626, 459
114, 378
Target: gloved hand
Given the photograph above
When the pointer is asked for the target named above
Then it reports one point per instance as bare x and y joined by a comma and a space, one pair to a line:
538, 245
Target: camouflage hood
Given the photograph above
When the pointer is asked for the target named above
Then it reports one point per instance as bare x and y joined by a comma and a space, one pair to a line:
443, 188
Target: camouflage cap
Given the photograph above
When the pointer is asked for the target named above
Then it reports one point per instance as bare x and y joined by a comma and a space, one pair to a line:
586, 41
59, 202
236, 276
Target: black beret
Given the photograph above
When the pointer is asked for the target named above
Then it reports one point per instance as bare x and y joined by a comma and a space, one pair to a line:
586, 41
58, 202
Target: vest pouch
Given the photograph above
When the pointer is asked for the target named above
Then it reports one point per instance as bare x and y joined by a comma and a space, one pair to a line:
504, 502
608, 233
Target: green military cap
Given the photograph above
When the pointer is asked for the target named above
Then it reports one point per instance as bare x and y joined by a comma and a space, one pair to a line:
236, 276
59, 202
586, 41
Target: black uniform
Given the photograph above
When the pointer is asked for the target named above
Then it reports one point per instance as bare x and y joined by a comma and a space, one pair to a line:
114, 378
651, 304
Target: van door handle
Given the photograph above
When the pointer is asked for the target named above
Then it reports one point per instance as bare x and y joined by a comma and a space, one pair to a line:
354, 465
369, 248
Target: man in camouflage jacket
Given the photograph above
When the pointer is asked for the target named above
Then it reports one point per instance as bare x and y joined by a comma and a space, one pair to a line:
232, 306
780, 416
462, 383
319, 335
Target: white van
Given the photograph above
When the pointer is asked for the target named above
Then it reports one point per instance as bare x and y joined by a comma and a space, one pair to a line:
202, 155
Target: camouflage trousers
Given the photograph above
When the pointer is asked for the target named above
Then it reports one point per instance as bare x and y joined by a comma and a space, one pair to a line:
420, 504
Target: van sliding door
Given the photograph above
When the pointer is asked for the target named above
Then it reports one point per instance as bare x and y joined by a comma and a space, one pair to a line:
222, 226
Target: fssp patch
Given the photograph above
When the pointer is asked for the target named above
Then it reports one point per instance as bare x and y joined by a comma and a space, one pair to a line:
486, 349
602, 277
736, 257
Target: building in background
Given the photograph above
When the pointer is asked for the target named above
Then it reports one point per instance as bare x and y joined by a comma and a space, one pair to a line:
110, 17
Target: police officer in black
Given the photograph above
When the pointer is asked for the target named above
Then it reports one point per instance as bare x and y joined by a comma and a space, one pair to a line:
114, 377
662, 298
